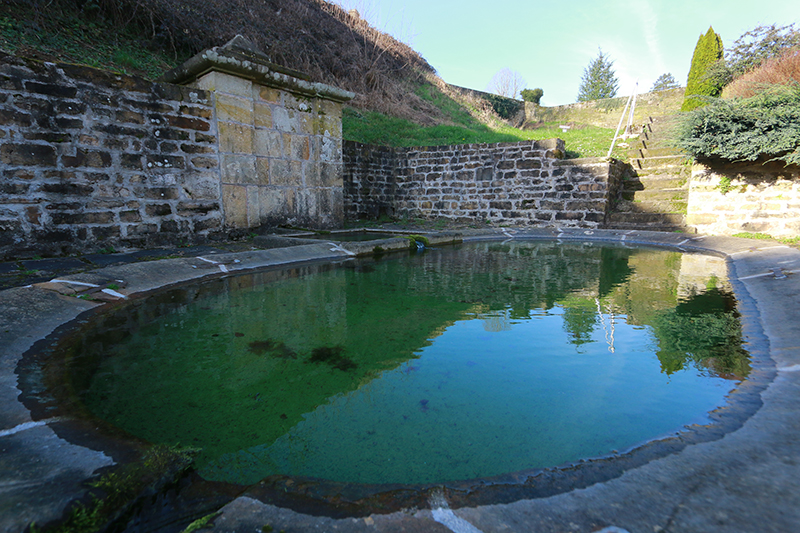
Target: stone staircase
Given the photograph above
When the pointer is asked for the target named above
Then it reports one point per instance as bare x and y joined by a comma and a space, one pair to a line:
654, 196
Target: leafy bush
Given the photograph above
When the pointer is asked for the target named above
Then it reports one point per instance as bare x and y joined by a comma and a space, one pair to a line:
782, 70
766, 125
532, 95
758, 45
706, 53
504, 107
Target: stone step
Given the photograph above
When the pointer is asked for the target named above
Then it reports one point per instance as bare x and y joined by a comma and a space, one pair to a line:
670, 228
655, 207
655, 195
647, 219
644, 150
673, 171
654, 182
659, 162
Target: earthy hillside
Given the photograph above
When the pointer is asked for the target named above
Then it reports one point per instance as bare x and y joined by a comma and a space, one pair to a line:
146, 37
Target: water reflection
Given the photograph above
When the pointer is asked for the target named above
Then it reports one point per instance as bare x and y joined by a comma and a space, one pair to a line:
398, 370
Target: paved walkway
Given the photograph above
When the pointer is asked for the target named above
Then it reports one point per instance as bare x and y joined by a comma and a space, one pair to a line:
737, 477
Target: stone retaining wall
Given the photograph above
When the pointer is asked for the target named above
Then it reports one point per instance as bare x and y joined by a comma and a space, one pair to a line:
506, 183
230, 141
90, 158
725, 199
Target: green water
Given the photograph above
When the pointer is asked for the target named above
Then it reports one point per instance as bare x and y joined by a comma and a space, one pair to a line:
452, 364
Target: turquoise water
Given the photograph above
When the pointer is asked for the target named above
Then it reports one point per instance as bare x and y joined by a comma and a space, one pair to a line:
454, 364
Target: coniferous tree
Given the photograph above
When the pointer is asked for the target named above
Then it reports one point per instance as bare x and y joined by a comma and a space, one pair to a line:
598, 80
664, 82
706, 53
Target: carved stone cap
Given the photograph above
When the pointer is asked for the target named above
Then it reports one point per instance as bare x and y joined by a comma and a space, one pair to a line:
240, 57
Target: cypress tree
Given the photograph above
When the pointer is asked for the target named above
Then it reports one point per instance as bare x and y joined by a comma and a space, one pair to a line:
707, 52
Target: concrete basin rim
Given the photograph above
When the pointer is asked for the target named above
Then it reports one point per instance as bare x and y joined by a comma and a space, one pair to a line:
468, 494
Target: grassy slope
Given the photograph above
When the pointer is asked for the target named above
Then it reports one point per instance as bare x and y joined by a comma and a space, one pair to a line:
375, 128
73, 37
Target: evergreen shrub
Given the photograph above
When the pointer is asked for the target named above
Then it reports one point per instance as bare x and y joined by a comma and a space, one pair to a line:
766, 125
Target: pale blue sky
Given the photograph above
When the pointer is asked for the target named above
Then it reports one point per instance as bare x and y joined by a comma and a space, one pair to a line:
550, 42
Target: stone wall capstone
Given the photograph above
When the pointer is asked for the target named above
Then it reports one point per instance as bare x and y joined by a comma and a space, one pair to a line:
91, 158
280, 137
523, 183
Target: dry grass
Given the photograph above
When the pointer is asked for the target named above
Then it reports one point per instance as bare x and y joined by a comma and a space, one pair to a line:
312, 36
782, 70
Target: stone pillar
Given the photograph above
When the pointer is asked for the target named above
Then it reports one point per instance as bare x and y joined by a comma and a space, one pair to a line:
280, 138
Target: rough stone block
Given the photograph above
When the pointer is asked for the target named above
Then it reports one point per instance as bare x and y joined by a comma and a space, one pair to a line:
82, 218
189, 209
196, 149
204, 138
285, 120
300, 147
235, 109
28, 155
131, 161
155, 161
268, 143
235, 138
51, 89
11, 117
220, 82
696, 218
330, 175
234, 205
207, 224
285, 173
141, 229
67, 189
130, 216
158, 210
205, 163
196, 111
262, 115
262, 170
276, 203
253, 206
239, 169
162, 193
267, 94
188, 123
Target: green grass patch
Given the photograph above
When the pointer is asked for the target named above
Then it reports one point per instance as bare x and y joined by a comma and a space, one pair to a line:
791, 241
370, 127
459, 114
748, 235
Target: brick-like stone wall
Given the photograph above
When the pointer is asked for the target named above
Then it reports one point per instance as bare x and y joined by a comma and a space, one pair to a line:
508, 183
725, 199
226, 142
93, 159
